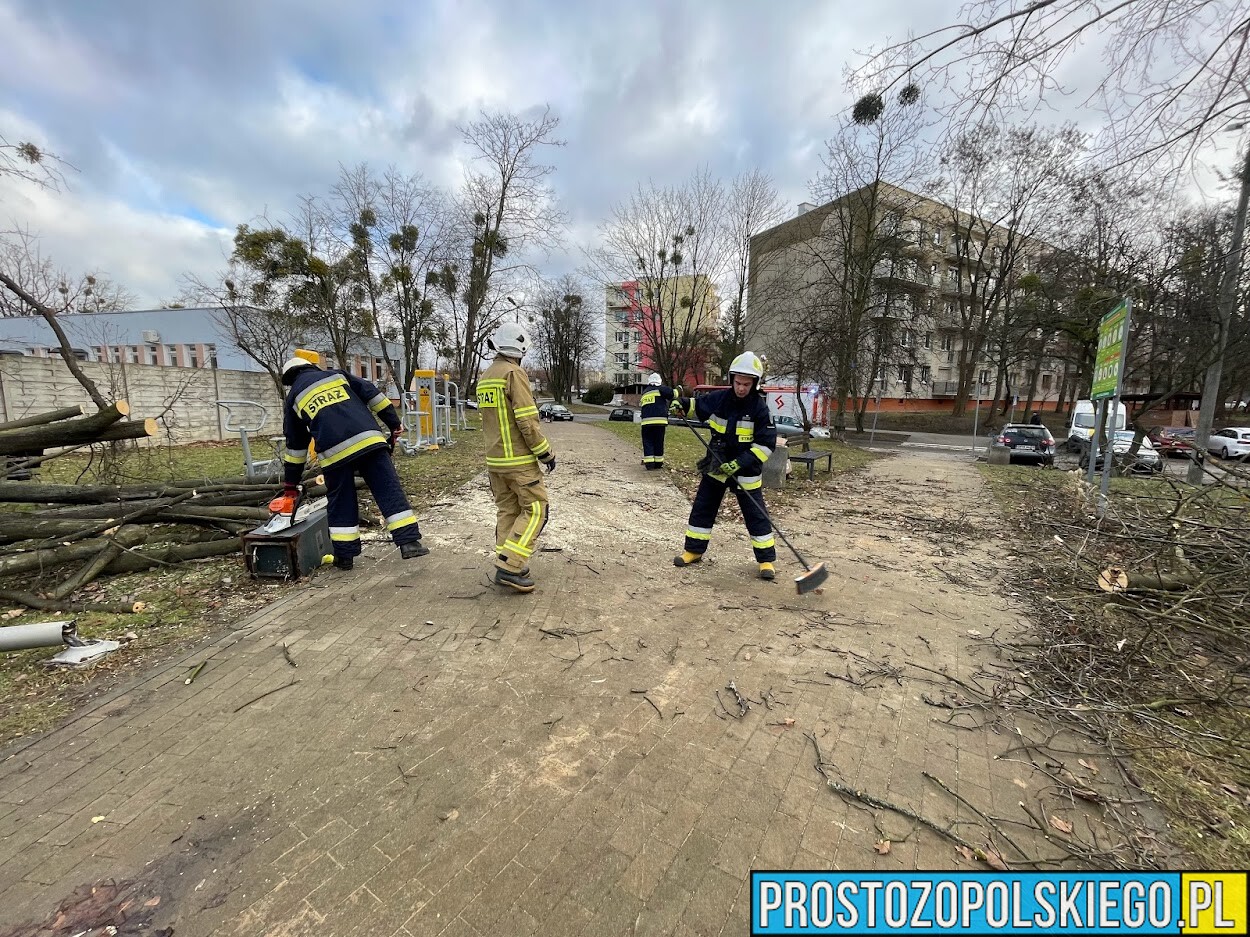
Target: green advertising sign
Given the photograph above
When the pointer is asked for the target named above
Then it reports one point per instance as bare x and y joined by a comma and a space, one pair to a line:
1112, 345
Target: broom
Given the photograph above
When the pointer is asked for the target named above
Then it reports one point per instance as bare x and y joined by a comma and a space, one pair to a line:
813, 576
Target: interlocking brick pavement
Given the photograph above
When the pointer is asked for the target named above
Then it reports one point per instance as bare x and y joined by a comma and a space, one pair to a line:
438, 763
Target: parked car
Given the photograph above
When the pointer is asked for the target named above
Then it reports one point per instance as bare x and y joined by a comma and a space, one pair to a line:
622, 415
1173, 440
1029, 443
1147, 460
789, 426
544, 411
556, 414
1232, 442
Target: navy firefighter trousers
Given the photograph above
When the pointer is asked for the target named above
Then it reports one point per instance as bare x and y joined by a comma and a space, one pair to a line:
707, 501
343, 511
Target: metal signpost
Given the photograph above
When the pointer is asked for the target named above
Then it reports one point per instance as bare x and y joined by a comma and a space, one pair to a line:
1108, 376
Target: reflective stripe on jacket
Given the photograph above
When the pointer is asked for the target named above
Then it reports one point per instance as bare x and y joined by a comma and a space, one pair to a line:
742, 431
655, 406
337, 411
510, 418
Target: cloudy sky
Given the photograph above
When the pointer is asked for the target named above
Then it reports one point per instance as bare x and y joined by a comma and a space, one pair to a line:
183, 119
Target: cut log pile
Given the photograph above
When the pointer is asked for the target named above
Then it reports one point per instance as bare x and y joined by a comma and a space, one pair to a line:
77, 533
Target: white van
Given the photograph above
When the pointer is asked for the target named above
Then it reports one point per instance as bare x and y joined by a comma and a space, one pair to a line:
1081, 425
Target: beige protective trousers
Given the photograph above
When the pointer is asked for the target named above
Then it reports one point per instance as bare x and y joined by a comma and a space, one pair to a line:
521, 503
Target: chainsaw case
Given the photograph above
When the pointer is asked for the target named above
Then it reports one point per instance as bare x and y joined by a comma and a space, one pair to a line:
288, 554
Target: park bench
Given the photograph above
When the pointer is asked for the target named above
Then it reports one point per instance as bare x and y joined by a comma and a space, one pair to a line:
807, 456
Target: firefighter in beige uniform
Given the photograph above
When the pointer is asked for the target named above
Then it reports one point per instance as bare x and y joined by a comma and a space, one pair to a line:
515, 446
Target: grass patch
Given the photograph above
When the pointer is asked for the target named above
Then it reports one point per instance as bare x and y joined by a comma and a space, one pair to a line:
1158, 677
187, 603
578, 407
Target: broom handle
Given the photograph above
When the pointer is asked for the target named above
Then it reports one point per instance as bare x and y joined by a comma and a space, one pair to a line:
758, 501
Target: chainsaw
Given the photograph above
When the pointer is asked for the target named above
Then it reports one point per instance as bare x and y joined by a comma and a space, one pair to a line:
300, 512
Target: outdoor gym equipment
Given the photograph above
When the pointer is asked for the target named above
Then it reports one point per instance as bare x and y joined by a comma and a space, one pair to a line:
253, 420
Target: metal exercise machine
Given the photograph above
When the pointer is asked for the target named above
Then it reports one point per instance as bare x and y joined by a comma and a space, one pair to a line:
253, 419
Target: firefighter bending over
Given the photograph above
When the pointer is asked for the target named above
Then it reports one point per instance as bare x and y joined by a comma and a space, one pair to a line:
337, 410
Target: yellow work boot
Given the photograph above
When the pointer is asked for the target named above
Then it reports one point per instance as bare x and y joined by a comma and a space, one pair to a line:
687, 558
767, 572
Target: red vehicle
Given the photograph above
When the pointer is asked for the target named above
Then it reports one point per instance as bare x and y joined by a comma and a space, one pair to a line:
1172, 440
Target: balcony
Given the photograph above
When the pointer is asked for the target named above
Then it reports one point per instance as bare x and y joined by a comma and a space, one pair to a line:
905, 274
945, 388
619, 299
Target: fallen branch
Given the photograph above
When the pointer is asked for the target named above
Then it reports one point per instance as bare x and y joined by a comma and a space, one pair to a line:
66, 605
257, 699
879, 804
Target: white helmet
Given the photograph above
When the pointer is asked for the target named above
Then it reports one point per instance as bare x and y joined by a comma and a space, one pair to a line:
509, 339
654, 381
291, 366
748, 363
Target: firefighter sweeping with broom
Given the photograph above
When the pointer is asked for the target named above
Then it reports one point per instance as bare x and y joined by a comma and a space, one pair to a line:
743, 437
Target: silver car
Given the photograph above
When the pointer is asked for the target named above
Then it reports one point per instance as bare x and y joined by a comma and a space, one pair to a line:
1146, 460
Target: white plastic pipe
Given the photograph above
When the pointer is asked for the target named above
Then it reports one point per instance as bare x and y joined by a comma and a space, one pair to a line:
38, 634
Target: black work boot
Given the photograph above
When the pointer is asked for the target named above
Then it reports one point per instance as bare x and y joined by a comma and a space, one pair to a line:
343, 562
411, 550
518, 582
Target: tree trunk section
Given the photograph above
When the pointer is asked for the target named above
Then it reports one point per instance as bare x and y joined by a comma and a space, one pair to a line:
39, 419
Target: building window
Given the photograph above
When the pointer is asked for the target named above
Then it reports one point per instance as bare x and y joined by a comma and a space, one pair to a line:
985, 377
621, 336
906, 339
638, 357
948, 342
194, 351
211, 351
934, 276
1045, 382
928, 339
115, 354
622, 358
154, 355
937, 236
904, 376
924, 374
622, 317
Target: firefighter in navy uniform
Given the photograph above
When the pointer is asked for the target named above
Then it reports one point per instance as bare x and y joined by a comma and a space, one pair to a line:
743, 437
656, 402
337, 411
515, 445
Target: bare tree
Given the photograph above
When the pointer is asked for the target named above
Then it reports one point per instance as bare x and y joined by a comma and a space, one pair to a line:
1174, 72
752, 206
1004, 188
506, 210
397, 228
666, 249
256, 317
564, 329
31, 163
849, 270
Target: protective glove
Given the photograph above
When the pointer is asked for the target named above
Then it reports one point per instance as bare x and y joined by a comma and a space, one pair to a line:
285, 502
395, 434
550, 465
725, 471
679, 406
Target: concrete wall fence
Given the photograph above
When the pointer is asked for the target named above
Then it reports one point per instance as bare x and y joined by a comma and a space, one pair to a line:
182, 400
